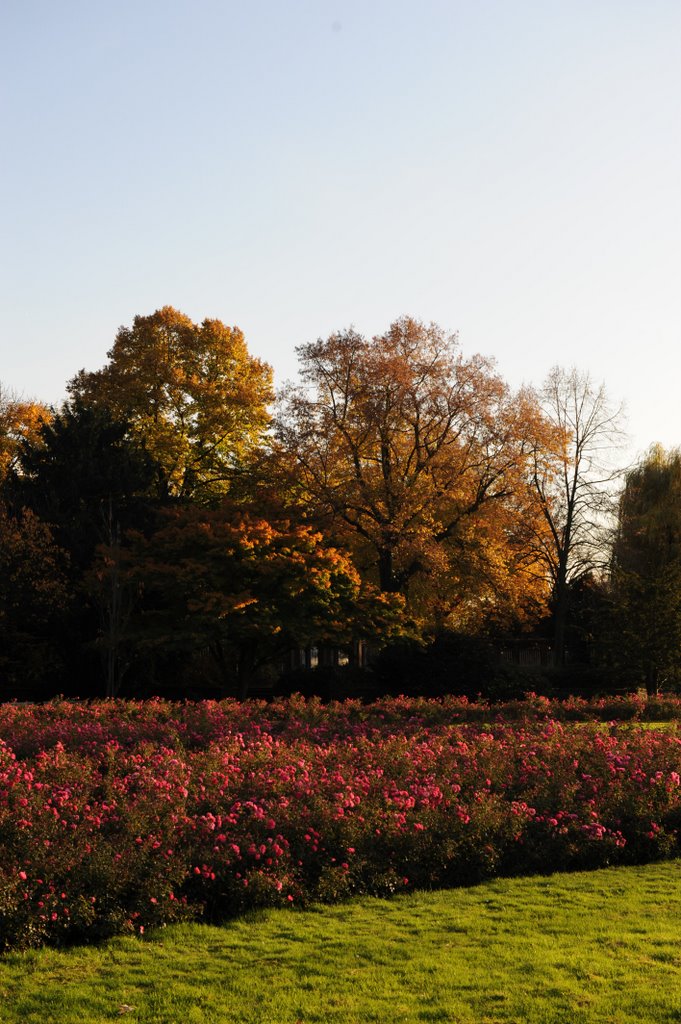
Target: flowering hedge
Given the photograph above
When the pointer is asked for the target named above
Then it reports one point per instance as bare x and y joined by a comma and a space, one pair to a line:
117, 816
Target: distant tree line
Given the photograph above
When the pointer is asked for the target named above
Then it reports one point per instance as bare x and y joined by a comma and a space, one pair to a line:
173, 528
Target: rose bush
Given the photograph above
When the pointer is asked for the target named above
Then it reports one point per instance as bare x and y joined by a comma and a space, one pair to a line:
116, 816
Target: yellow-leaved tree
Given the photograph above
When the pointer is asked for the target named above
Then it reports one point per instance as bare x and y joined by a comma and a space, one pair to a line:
20, 420
191, 392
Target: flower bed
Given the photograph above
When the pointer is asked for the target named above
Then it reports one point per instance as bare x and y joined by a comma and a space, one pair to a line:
117, 816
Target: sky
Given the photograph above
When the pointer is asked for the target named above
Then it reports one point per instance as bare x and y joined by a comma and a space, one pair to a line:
510, 169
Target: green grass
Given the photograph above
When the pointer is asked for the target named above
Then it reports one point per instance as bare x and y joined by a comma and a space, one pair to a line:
602, 946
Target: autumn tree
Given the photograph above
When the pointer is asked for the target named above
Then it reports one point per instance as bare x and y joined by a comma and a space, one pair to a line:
191, 392
20, 422
419, 458
576, 491
245, 591
646, 569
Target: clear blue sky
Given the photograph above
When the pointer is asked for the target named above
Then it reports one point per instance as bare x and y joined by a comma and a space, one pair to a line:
507, 168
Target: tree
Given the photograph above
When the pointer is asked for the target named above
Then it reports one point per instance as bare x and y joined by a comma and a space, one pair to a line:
575, 492
20, 422
33, 596
244, 590
89, 480
82, 464
115, 600
418, 457
191, 392
646, 568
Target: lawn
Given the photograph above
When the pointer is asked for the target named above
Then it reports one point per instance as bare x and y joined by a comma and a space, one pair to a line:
601, 946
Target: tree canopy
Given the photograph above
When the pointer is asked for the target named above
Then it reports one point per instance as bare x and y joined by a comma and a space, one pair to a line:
20, 421
244, 590
81, 466
646, 569
188, 529
33, 596
418, 456
191, 392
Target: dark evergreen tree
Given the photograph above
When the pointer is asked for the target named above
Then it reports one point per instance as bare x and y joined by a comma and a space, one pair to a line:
646, 571
88, 481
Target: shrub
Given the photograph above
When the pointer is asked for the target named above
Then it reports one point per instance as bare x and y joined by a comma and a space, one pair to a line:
116, 816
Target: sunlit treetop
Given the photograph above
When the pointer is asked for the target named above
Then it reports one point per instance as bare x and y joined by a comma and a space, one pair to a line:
191, 391
20, 420
419, 458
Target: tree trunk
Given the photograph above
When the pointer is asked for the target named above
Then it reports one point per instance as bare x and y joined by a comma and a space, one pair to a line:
245, 668
560, 618
652, 681
386, 571
226, 676
112, 605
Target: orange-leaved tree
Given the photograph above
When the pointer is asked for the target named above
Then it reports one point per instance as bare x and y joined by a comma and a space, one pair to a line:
191, 392
420, 459
243, 590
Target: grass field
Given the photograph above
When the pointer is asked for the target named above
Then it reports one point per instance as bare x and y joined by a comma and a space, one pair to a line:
602, 946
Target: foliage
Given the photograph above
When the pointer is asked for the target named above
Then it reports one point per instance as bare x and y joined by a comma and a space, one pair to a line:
245, 590
419, 457
85, 477
192, 394
477, 513
646, 570
33, 595
81, 465
20, 422
118, 816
